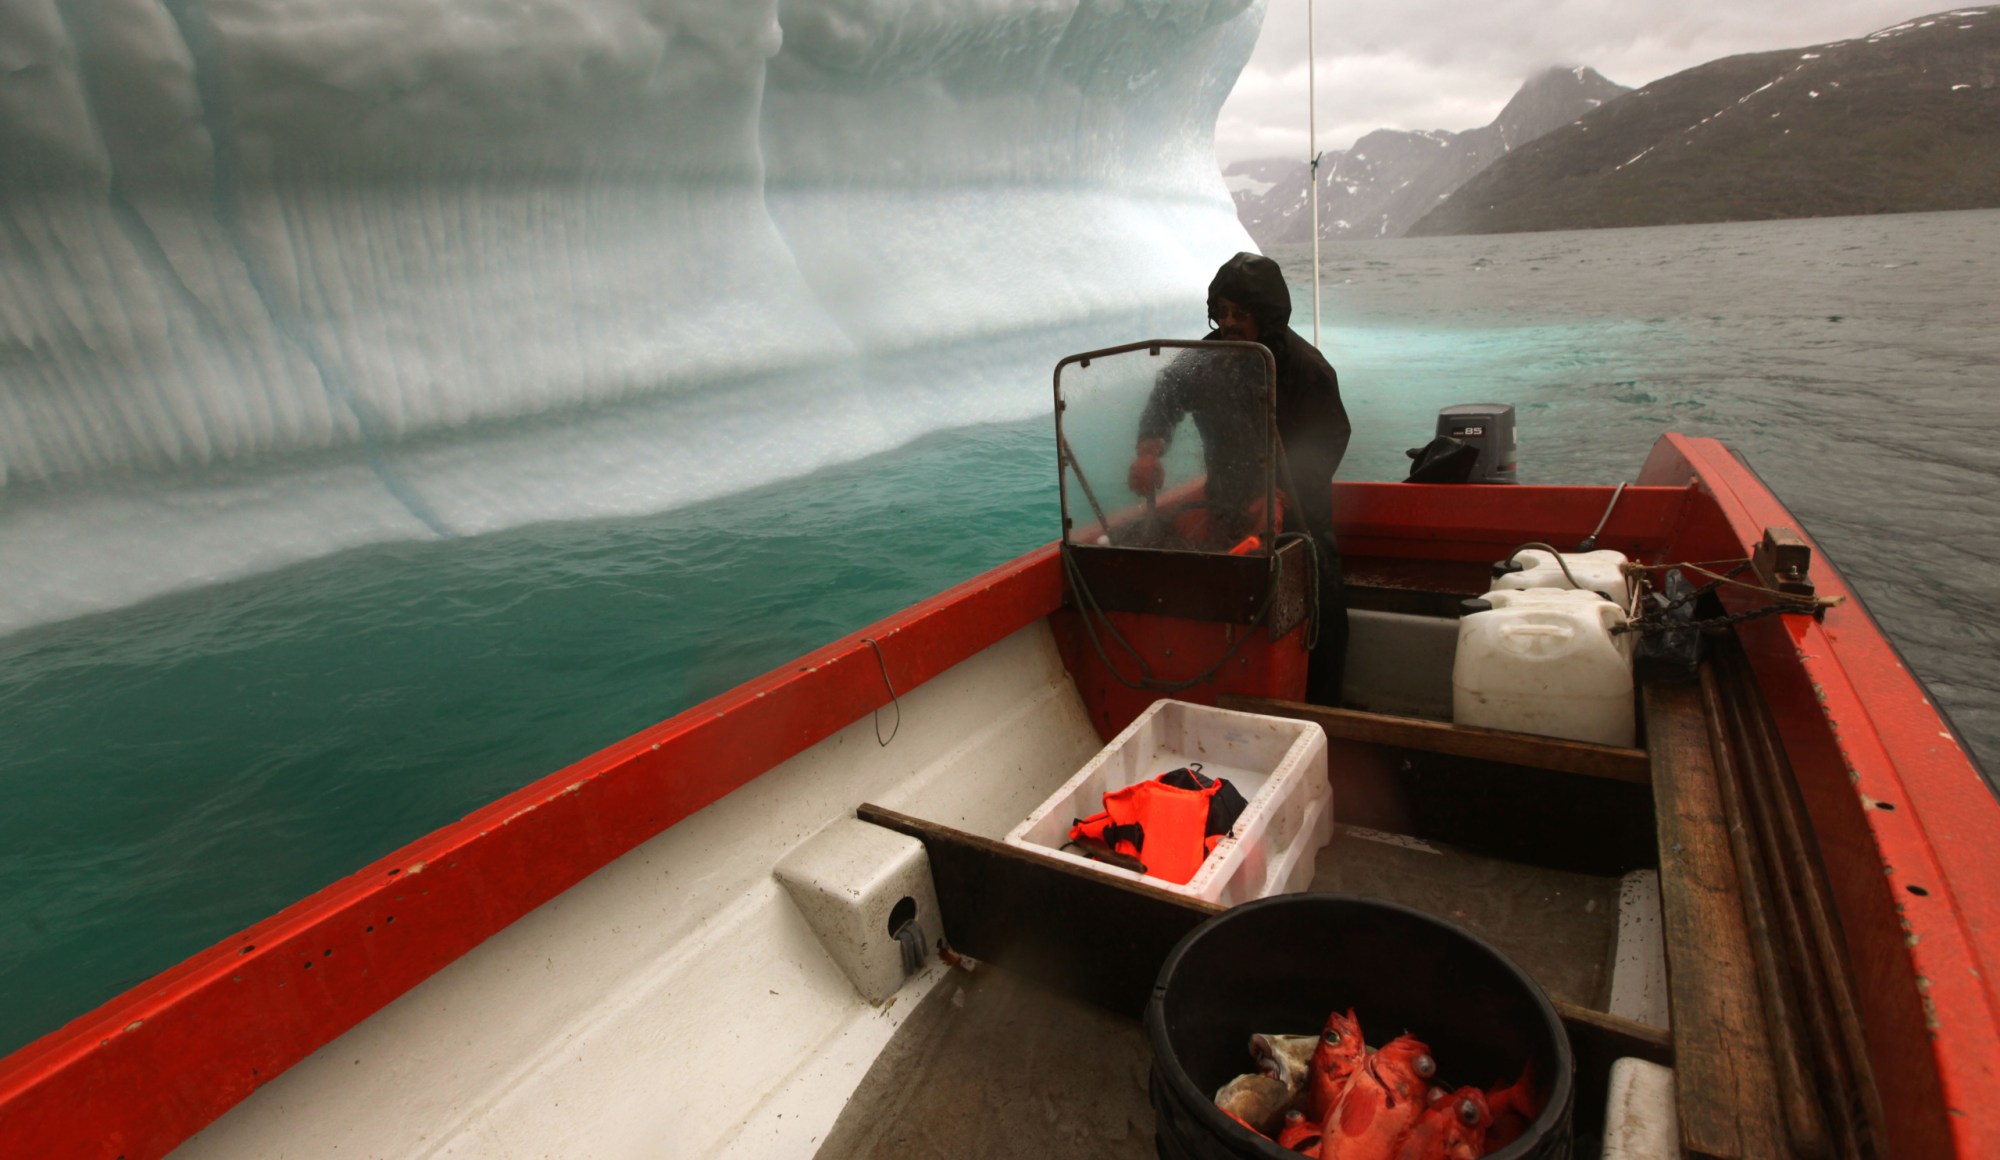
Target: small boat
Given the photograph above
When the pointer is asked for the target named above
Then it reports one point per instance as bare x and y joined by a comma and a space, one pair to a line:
1787, 890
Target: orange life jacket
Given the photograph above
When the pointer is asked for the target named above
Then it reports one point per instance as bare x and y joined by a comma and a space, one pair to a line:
1169, 822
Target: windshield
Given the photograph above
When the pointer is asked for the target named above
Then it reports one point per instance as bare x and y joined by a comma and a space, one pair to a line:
1168, 445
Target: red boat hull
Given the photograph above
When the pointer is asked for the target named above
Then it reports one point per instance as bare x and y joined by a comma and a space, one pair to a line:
1901, 814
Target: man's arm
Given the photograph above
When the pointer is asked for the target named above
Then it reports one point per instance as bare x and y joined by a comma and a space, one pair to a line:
1165, 408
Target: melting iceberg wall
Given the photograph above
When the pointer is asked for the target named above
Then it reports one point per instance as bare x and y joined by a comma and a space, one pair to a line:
279, 277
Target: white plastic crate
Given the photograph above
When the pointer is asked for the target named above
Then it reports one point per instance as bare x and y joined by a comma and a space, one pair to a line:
1278, 764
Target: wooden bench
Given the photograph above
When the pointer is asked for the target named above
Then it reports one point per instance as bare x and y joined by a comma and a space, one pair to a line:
1580, 757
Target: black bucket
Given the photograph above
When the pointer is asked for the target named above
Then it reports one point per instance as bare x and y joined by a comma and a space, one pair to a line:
1282, 964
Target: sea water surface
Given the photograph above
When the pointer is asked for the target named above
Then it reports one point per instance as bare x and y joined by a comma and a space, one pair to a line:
179, 770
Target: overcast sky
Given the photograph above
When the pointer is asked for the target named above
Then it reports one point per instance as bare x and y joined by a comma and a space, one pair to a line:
1452, 64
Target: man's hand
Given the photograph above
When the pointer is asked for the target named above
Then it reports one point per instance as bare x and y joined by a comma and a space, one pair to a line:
1146, 474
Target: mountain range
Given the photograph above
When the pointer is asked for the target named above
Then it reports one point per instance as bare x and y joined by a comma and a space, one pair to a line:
1905, 119
1393, 177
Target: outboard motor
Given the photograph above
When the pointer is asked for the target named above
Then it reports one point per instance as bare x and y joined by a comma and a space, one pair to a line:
1490, 428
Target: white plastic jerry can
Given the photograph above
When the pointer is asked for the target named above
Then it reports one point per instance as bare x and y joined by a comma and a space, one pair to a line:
1598, 571
1545, 661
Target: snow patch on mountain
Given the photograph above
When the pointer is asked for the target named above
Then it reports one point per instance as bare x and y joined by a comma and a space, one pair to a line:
1392, 177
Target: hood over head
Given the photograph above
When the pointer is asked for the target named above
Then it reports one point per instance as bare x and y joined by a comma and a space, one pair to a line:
1255, 283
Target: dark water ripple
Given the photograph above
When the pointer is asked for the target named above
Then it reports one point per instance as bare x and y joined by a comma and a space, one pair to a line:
1854, 362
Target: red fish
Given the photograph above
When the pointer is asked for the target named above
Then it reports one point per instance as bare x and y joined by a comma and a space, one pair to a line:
1452, 1128
1384, 1100
1339, 1053
1300, 1135
1514, 1107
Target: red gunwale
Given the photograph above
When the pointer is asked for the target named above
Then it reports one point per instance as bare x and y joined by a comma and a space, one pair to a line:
150, 1068
1859, 729
153, 1066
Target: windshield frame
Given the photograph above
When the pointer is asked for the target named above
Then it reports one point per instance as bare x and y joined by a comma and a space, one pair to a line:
1066, 461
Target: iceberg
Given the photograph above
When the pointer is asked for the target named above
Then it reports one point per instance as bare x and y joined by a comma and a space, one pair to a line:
284, 277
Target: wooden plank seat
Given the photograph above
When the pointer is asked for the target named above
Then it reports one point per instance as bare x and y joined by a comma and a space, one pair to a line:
1580, 757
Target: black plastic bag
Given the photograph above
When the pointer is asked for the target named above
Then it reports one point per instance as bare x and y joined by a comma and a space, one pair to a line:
1442, 460
1669, 654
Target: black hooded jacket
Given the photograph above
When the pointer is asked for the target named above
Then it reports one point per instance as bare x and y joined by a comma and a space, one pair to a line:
1311, 422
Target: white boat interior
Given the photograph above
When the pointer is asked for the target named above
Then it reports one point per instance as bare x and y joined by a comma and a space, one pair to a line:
678, 1002
719, 990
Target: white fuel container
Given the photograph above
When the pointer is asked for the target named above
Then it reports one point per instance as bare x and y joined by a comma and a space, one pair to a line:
1545, 661
1598, 571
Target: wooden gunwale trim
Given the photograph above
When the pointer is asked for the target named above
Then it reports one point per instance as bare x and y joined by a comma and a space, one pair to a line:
1722, 1083
1900, 813
148, 1069
1825, 975
1784, 1024
1615, 763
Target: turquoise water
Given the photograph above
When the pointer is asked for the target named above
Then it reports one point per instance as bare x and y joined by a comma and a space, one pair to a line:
179, 770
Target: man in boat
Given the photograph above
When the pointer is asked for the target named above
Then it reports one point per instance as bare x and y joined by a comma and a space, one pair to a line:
1249, 302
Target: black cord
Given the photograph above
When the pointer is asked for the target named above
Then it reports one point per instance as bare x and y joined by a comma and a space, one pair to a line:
1087, 605
881, 741
1560, 562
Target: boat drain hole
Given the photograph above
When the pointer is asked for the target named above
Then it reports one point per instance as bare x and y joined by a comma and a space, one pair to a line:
904, 929
1919, 891
1885, 805
901, 914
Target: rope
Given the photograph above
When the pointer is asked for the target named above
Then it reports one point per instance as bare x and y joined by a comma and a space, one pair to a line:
1312, 584
1781, 602
1693, 594
1650, 627
1787, 597
1312, 544
893, 699
1632, 569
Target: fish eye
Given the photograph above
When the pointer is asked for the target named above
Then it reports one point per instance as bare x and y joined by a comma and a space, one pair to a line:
1468, 1113
1294, 1116
1330, 1037
1425, 1066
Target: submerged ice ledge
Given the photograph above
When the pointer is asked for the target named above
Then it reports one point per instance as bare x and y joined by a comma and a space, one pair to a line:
278, 279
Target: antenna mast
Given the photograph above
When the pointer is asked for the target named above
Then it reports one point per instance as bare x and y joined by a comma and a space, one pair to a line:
1312, 151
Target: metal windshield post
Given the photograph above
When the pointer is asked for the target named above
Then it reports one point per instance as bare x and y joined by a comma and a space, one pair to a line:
1312, 151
